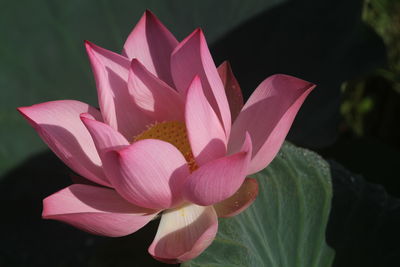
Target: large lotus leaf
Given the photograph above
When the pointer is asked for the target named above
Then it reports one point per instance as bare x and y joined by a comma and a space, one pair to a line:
286, 225
42, 56
363, 224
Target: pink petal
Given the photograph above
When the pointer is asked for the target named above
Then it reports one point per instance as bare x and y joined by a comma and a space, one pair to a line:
192, 57
232, 89
206, 135
105, 138
237, 203
184, 233
267, 116
116, 104
60, 127
97, 210
219, 179
152, 44
149, 173
158, 100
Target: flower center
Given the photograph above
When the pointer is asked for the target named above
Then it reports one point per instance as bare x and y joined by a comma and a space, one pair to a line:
173, 132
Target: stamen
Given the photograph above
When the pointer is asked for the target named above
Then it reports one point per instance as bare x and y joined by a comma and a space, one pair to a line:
173, 132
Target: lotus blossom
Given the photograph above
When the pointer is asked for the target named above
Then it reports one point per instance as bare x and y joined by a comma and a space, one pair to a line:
172, 139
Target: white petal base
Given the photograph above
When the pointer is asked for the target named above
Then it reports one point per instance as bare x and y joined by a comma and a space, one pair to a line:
184, 233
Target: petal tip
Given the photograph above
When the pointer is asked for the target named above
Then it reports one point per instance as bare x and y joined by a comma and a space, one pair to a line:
91, 48
195, 34
88, 45
24, 111
226, 65
196, 80
198, 30
117, 154
303, 84
44, 209
247, 144
148, 14
20, 109
86, 117
135, 63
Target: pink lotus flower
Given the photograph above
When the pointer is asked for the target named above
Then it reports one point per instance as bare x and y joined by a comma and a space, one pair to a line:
163, 142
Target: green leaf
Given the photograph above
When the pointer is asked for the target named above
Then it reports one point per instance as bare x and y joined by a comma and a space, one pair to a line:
43, 57
286, 225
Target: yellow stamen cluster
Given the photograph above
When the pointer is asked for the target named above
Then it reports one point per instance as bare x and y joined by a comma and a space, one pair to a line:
173, 132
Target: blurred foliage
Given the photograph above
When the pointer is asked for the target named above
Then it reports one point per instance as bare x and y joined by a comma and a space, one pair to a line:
384, 17
356, 106
371, 103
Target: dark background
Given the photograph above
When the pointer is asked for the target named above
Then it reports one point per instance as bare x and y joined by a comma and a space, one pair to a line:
350, 49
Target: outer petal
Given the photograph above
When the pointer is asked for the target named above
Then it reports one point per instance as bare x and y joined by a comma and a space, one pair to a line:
149, 173
206, 135
218, 179
237, 203
232, 89
192, 57
152, 43
96, 210
105, 138
111, 74
158, 100
267, 116
60, 127
184, 233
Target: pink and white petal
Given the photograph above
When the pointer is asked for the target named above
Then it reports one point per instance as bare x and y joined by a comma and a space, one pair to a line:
232, 89
157, 99
184, 233
239, 201
59, 125
268, 116
97, 210
205, 132
149, 173
192, 57
152, 44
116, 104
219, 179
105, 138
